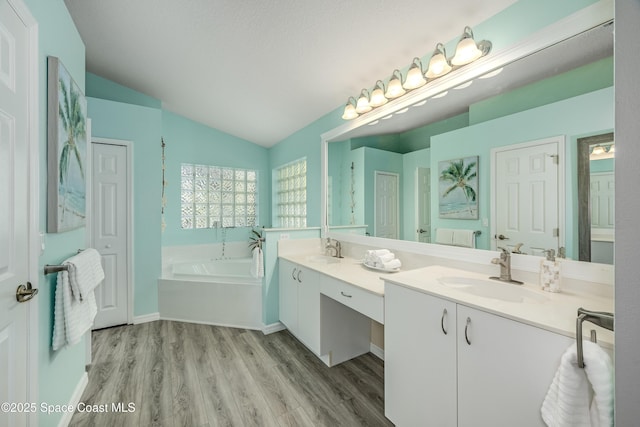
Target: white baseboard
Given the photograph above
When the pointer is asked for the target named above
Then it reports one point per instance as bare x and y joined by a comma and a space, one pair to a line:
273, 327
200, 322
151, 317
377, 351
75, 398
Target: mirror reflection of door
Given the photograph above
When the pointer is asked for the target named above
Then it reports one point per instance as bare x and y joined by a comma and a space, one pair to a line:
526, 191
423, 203
596, 190
387, 204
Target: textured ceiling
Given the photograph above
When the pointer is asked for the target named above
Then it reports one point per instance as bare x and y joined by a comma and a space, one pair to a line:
261, 70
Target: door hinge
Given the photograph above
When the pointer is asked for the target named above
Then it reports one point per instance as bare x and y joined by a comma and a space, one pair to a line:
556, 232
555, 158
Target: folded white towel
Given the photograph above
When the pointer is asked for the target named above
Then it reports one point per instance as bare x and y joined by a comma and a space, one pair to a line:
393, 264
378, 252
464, 238
85, 272
257, 263
72, 317
386, 257
444, 236
568, 401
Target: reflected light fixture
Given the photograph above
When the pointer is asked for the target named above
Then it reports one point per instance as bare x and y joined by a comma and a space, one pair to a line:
468, 50
394, 87
612, 149
598, 150
362, 106
377, 95
350, 109
415, 77
438, 64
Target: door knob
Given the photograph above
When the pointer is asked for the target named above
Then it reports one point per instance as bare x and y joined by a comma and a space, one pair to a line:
108, 246
421, 231
25, 293
501, 237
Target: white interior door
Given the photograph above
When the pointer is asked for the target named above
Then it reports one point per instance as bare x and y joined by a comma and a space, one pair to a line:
387, 204
526, 194
602, 193
110, 231
423, 202
14, 216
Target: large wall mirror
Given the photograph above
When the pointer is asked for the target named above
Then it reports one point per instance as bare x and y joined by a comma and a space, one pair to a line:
514, 135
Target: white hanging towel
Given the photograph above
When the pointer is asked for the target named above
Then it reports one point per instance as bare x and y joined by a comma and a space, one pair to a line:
72, 317
85, 272
444, 236
464, 238
568, 401
257, 263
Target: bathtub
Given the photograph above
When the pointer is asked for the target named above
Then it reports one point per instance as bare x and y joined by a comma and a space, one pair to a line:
216, 292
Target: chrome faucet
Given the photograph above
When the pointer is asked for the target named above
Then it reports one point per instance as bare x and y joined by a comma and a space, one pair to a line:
505, 267
337, 248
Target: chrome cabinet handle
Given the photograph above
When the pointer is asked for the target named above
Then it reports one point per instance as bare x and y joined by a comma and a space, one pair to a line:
466, 330
299, 273
293, 274
345, 295
444, 313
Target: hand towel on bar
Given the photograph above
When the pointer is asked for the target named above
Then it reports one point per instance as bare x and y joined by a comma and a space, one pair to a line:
444, 236
85, 272
464, 238
72, 317
257, 263
568, 401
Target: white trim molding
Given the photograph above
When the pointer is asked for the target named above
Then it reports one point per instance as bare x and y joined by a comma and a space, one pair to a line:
273, 327
145, 318
74, 400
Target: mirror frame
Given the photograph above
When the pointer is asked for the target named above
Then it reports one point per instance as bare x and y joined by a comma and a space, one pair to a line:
592, 16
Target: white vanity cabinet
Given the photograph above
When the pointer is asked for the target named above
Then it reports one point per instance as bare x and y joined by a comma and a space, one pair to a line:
485, 371
300, 303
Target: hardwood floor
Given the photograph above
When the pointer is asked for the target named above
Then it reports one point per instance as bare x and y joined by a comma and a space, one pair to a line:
184, 374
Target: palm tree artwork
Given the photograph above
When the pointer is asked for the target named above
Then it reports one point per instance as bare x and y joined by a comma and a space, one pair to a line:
458, 188
68, 139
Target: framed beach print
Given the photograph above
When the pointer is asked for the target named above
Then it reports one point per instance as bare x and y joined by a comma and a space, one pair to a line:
66, 150
458, 188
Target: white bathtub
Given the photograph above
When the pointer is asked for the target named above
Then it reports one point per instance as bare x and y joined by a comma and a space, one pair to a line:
219, 292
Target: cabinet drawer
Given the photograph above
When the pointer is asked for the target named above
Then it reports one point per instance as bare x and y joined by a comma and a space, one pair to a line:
367, 303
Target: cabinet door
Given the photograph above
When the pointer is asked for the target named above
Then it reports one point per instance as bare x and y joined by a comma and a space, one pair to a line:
420, 358
309, 308
288, 287
504, 374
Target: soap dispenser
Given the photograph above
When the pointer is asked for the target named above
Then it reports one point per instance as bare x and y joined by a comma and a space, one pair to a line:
550, 272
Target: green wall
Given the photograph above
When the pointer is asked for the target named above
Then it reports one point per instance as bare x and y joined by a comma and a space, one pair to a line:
191, 142
142, 126
59, 372
99, 87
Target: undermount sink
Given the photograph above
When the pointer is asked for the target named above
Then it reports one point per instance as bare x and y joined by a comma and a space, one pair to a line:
492, 289
323, 259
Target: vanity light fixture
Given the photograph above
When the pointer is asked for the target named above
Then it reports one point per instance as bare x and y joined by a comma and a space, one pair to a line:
438, 64
612, 149
598, 150
601, 152
350, 109
362, 105
468, 50
377, 95
415, 77
394, 88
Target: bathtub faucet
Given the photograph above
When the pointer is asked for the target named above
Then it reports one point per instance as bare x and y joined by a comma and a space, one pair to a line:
337, 248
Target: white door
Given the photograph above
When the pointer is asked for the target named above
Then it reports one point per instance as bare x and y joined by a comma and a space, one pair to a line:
110, 231
14, 216
423, 201
526, 194
387, 205
602, 193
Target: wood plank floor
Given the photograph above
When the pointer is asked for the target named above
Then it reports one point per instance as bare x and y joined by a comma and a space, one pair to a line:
184, 374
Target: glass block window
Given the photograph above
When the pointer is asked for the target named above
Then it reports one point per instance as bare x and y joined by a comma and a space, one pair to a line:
291, 188
213, 196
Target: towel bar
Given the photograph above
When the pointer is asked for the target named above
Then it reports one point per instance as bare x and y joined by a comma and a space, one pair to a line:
52, 268
599, 318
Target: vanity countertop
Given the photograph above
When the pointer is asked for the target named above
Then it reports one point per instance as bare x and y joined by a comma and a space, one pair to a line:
555, 312
347, 269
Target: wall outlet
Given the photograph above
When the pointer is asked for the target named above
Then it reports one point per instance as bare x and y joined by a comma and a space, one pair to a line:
284, 236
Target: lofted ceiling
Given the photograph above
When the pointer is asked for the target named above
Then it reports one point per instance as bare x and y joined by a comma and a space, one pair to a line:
261, 70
